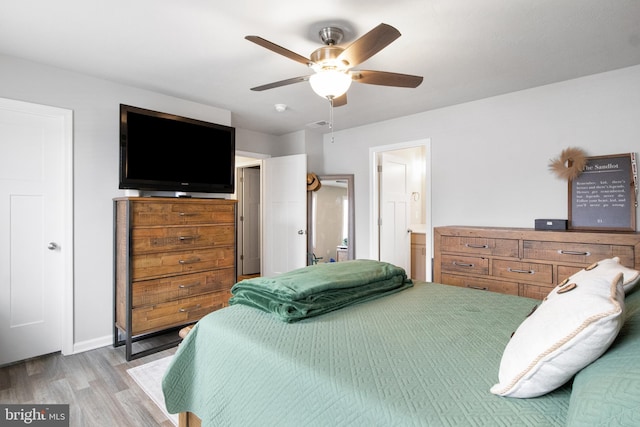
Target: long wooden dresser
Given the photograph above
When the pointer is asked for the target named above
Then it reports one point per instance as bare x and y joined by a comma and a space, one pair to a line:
175, 261
522, 261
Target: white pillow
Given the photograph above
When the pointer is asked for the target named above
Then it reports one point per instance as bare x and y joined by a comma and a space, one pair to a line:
612, 266
571, 328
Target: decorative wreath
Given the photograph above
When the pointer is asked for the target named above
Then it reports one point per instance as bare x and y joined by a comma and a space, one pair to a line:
570, 164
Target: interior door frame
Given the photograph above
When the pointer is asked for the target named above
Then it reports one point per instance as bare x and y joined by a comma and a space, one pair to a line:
256, 161
374, 197
67, 309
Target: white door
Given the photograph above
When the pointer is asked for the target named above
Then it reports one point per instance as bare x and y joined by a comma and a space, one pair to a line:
250, 221
33, 239
284, 232
395, 239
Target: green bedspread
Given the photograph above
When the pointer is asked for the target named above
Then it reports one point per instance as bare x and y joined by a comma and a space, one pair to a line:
319, 289
425, 356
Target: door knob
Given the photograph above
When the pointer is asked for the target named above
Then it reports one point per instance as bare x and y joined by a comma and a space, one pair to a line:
52, 246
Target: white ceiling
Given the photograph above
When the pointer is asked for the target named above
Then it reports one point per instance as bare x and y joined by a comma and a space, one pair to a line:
195, 49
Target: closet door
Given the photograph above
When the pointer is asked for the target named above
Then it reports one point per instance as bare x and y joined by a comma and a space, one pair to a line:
33, 246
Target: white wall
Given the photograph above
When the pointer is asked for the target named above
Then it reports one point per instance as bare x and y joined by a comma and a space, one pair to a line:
291, 143
489, 158
256, 142
95, 105
313, 148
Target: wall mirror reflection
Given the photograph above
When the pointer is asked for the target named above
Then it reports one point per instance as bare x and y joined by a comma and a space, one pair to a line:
331, 220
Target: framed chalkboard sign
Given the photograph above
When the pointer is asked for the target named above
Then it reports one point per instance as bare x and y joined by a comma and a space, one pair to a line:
603, 196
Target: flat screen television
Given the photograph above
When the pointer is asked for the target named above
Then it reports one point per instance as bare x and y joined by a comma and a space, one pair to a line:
165, 152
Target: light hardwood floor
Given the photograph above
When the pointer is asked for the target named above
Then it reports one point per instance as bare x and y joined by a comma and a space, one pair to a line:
95, 384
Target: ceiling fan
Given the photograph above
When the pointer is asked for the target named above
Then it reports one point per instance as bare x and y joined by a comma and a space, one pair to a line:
333, 65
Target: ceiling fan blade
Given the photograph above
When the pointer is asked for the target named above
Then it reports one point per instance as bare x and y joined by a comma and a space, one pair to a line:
340, 101
369, 44
278, 49
281, 83
385, 78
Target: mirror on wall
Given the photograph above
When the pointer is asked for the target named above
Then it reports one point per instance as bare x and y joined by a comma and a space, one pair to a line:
331, 220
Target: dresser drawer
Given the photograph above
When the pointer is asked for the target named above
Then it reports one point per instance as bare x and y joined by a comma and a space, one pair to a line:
160, 239
481, 284
149, 292
172, 263
565, 271
535, 291
580, 253
479, 246
465, 264
524, 271
175, 313
181, 213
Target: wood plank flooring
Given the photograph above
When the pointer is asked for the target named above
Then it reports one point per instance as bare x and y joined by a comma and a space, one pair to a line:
95, 384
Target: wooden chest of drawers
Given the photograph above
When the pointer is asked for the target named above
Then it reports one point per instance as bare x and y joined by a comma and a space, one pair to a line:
523, 261
174, 263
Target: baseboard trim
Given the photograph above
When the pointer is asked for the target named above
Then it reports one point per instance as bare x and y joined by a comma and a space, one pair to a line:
92, 344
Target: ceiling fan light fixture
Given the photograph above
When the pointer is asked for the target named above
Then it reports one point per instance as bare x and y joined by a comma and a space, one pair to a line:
330, 83
333, 65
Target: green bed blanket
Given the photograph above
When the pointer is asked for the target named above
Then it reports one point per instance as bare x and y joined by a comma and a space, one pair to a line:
321, 288
426, 356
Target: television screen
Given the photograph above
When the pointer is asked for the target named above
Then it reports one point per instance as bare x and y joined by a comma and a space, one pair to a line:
165, 152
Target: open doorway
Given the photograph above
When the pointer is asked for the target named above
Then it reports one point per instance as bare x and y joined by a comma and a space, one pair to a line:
280, 229
248, 187
401, 206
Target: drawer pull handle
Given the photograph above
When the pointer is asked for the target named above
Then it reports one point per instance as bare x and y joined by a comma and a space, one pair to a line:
187, 214
471, 245
515, 270
188, 309
183, 238
563, 252
190, 285
480, 288
463, 264
189, 261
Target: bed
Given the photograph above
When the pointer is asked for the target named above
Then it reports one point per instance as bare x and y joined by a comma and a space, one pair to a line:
425, 355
